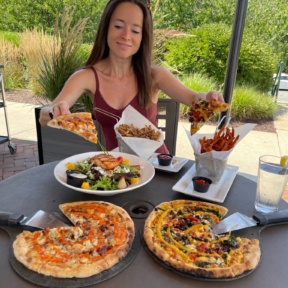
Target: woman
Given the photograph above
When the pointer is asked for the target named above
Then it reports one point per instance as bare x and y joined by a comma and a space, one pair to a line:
119, 72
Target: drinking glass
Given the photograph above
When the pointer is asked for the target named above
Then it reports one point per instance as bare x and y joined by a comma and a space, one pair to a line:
271, 182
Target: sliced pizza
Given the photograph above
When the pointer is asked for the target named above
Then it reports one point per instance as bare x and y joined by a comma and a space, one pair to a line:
80, 123
103, 234
202, 110
179, 233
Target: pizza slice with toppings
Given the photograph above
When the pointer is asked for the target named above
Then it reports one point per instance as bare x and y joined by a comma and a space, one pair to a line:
80, 123
202, 110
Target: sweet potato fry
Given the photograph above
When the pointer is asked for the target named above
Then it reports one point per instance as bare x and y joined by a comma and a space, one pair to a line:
223, 140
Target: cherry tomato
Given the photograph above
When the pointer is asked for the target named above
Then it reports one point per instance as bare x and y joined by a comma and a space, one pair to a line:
120, 159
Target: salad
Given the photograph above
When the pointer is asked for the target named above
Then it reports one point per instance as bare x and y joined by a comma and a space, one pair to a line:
98, 178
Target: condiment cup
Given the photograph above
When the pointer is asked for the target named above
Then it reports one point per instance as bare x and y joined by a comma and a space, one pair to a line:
201, 184
75, 178
164, 159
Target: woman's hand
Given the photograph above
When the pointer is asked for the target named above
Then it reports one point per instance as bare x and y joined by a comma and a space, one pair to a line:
61, 108
213, 95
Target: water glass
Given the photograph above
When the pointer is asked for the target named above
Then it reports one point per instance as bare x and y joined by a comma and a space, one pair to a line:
271, 182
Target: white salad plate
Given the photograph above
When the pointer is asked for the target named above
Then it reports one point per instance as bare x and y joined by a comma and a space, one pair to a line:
175, 166
147, 172
217, 192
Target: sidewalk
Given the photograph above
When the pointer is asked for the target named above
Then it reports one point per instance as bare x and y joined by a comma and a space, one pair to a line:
22, 126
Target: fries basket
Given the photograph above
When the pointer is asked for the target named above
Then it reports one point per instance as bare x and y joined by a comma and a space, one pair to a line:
209, 167
134, 144
123, 147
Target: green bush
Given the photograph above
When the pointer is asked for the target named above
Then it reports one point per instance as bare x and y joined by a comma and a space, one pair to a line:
207, 53
12, 37
19, 15
251, 105
12, 59
204, 52
256, 64
67, 56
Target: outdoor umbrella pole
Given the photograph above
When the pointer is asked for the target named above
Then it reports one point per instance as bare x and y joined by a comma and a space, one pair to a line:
233, 57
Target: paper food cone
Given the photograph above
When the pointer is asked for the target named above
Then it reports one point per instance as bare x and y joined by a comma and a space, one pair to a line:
212, 164
141, 147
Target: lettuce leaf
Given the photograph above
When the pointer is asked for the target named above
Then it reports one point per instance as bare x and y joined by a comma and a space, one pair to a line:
104, 183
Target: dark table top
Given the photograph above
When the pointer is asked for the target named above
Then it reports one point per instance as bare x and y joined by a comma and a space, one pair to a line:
37, 188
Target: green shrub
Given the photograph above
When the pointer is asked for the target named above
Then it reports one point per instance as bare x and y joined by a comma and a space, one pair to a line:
251, 105
66, 58
248, 104
207, 53
11, 58
256, 64
12, 37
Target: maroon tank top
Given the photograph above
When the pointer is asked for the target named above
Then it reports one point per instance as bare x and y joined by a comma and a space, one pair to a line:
107, 122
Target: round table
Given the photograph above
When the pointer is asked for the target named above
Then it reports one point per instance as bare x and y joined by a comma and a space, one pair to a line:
37, 188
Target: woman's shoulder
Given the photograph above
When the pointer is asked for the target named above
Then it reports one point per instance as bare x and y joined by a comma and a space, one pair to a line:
82, 72
83, 78
159, 74
157, 70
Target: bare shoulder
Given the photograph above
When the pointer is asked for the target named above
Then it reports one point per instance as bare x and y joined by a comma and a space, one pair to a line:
82, 80
82, 74
160, 75
158, 71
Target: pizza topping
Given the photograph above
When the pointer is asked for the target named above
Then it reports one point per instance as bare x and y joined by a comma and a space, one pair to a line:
80, 123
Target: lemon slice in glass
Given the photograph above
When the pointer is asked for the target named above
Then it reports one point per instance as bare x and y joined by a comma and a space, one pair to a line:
284, 161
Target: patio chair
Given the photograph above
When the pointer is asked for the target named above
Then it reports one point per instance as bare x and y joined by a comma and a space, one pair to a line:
168, 116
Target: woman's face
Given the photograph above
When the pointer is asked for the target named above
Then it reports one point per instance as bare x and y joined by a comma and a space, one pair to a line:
125, 30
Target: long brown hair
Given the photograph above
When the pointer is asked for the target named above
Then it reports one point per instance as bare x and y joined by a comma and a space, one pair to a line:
141, 61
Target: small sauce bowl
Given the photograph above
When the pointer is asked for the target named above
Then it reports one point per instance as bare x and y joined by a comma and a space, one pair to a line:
201, 184
75, 178
164, 159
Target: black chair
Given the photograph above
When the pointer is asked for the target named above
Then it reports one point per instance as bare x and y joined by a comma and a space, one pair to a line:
168, 116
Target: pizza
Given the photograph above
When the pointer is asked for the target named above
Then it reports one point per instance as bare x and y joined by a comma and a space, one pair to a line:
202, 110
102, 235
179, 233
80, 123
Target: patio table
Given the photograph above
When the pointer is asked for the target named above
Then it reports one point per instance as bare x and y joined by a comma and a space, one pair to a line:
37, 188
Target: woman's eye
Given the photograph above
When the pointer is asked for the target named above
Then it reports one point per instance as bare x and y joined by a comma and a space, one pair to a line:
136, 32
118, 26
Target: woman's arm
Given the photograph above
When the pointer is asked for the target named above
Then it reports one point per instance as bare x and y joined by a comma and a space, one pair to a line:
175, 89
77, 84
